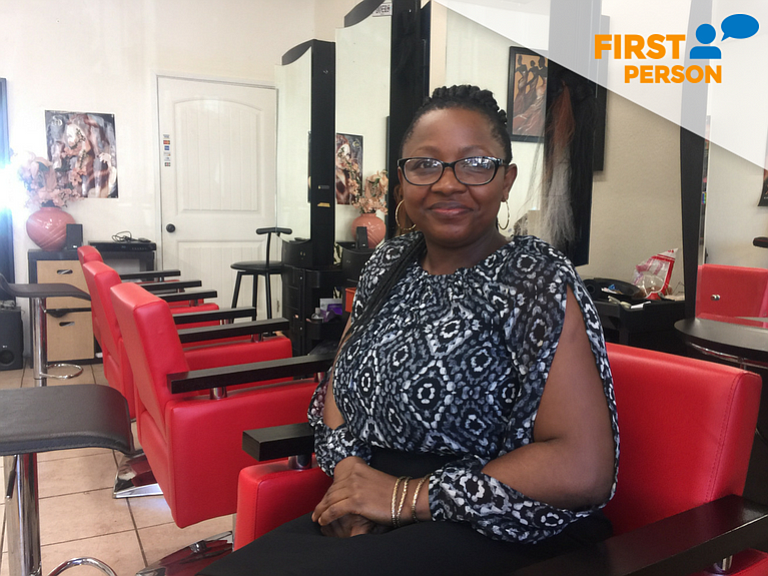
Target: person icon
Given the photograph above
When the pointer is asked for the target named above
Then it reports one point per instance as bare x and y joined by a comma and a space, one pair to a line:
705, 34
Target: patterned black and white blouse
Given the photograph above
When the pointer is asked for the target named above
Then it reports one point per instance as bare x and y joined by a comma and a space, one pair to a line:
455, 365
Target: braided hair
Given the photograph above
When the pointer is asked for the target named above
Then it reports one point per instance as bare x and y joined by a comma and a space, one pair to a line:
465, 97
468, 98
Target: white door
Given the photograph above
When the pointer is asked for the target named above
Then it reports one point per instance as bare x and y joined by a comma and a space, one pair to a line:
217, 180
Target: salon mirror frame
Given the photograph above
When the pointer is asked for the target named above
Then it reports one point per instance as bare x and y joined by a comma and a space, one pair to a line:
317, 250
6, 219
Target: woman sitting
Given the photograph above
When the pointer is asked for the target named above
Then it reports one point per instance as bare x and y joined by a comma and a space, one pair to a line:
469, 421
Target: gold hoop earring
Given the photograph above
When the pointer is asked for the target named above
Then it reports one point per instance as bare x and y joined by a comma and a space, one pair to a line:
397, 219
506, 224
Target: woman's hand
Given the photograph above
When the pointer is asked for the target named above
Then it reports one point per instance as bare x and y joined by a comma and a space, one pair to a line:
360, 490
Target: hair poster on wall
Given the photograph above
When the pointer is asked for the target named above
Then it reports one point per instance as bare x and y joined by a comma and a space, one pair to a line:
349, 167
82, 148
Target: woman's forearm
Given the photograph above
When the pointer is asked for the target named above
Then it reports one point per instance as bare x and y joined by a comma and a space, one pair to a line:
556, 473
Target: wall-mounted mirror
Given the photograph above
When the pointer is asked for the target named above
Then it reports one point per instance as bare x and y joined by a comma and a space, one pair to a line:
294, 115
463, 51
722, 208
636, 197
362, 106
305, 145
6, 226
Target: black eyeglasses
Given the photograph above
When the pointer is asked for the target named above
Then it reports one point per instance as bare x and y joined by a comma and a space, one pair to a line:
472, 171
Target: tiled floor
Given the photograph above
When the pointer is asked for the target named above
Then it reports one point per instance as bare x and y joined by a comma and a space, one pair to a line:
79, 517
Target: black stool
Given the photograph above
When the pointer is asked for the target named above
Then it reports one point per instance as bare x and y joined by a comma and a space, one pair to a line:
259, 268
37, 294
46, 419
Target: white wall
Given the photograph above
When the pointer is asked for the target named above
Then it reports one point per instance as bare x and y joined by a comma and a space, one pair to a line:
103, 56
636, 209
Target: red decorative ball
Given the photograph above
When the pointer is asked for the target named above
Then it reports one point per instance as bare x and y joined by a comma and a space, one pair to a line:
48, 227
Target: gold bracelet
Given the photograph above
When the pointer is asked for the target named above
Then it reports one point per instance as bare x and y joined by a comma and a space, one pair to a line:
402, 501
416, 497
394, 500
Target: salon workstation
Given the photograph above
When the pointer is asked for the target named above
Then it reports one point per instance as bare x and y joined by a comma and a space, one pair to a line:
197, 209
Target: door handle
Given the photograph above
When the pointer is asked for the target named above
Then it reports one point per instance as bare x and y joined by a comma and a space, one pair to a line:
170, 228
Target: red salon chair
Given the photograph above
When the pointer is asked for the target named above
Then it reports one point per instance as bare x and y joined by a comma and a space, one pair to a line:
731, 291
192, 440
91, 254
86, 254
686, 434
155, 281
134, 477
100, 278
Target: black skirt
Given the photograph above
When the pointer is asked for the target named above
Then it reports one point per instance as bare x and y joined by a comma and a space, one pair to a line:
445, 548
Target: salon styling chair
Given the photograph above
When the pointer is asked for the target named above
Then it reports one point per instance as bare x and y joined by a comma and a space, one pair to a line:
686, 433
190, 412
731, 292
157, 281
202, 336
91, 254
100, 278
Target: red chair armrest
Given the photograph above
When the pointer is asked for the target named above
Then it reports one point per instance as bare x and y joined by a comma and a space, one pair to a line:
197, 380
205, 333
214, 315
681, 544
173, 286
188, 296
150, 275
275, 442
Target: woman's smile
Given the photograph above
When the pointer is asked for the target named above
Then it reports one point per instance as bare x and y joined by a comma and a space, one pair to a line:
449, 209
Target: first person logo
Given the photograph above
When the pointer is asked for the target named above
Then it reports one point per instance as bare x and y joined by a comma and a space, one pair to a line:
656, 46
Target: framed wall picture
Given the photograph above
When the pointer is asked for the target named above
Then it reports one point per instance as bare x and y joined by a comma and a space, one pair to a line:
527, 94
83, 150
349, 167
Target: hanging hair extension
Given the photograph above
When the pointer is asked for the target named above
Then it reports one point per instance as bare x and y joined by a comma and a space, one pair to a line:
569, 150
557, 217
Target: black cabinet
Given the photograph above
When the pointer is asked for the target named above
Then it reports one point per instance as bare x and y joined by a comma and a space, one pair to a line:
651, 326
302, 290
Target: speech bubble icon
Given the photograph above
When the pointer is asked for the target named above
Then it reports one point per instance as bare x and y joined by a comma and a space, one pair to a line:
739, 26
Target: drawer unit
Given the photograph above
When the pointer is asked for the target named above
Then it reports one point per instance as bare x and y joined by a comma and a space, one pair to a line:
65, 272
68, 321
70, 336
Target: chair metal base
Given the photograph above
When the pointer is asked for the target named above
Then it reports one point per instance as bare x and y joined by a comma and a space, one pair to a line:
83, 561
191, 559
135, 478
